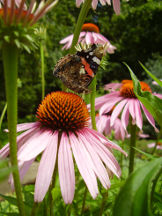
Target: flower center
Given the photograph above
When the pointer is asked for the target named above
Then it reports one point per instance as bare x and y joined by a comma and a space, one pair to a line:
63, 111
127, 89
90, 27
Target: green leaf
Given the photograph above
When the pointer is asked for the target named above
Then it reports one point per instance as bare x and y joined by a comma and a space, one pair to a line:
133, 198
151, 75
10, 199
152, 103
5, 170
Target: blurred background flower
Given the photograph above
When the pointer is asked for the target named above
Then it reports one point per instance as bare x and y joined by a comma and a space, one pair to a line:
89, 35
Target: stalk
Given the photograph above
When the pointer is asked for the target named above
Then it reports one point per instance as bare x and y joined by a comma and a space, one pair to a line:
104, 200
84, 199
42, 69
82, 15
92, 101
10, 60
132, 145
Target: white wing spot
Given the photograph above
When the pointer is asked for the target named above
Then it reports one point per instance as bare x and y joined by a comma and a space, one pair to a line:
96, 60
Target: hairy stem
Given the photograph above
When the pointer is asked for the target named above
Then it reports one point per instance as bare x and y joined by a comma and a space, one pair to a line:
132, 145
10, 59
42, 69
82, 15
92, 100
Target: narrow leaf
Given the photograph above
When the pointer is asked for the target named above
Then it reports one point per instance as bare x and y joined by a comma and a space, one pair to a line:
151, 75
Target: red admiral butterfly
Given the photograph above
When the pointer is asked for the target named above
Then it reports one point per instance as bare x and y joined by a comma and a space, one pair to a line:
77, 71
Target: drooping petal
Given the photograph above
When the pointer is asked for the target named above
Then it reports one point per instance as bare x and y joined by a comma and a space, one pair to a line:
139, 120
84, 165
116, 6
46, 167
26, 126
105, 141
78, 2
109, 105
35, 145
149, 117
66, 170
112, 86
94, 4
132, 109
106, 156
125, 116
117, 111
89, 38
99, 168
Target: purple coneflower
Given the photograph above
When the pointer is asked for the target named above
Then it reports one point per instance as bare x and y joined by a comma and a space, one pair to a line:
89, 35
103, 126
126, 103
153, 145
116, 4
16, 11
61, 130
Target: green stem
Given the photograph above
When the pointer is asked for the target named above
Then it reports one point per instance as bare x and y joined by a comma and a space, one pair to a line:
104, 199
121, 156
84, 199
10, 59
34, 209
42, 69
82, 15
2, 115
92, 100
132, 145
159, 136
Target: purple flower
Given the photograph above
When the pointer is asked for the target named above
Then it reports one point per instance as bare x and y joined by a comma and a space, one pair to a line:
125, 103
116, 4
158, 145
61, 132
89, 35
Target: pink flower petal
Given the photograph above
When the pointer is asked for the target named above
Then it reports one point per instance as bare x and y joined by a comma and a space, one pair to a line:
132, 109
112, 86
89, 38
149, 117
66, 170
125, 116
106, 156
46, 167
26, 126
117, 111
109, 105
116, 6
94, 4
99, 168
84, 164
35, 145
105, 141
139, 120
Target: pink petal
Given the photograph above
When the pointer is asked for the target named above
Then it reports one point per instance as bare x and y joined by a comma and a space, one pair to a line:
66, 170
26, 126
112, 86
78, 2
89, 38
94, 4
101, 123
116, 6
105, 141
109, 105
149, 117
99, 168
106, 156
84, 164
125, 116
138, 114
131, 108
46, 167
117, 111
35, 145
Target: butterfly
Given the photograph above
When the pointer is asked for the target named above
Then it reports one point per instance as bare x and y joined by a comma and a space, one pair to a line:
77, 71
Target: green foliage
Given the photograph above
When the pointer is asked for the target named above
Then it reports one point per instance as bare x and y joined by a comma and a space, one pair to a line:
134, 198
